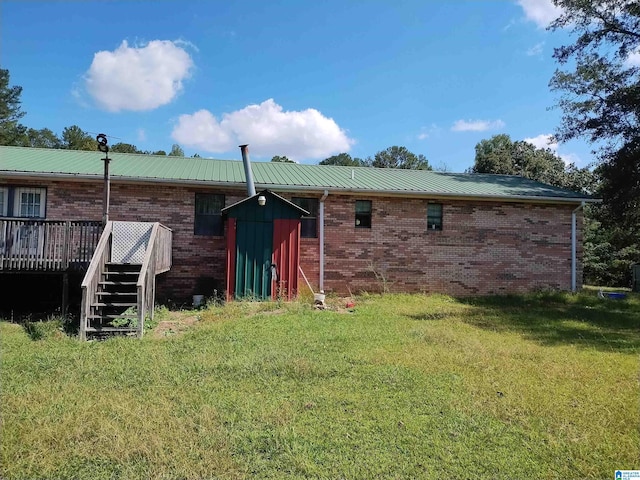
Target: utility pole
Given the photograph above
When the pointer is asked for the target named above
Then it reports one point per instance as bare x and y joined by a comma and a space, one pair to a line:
104, 148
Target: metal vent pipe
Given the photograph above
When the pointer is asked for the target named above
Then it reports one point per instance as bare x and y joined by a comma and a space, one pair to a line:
251, 189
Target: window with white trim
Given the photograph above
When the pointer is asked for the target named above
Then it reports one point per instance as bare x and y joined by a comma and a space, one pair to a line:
23, 202
29, 202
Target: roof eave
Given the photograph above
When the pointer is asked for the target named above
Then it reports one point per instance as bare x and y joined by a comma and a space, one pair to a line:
307, 188
431, 194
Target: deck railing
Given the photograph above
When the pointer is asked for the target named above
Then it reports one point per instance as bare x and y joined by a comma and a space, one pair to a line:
93, 276
157, 260
47, 245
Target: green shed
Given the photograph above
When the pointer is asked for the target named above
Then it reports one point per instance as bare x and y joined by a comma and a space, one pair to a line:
263, 247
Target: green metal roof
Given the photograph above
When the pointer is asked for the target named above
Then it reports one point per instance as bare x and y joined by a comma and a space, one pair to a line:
24, 162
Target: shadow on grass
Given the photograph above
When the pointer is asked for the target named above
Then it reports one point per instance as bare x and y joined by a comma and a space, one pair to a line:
555, 319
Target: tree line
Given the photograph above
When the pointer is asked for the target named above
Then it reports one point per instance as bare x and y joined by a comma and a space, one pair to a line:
392, 157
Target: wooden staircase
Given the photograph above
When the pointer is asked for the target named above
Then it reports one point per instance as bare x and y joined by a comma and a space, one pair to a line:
116, 300
118, 290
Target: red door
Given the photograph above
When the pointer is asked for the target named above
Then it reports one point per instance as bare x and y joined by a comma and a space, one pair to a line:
286, 258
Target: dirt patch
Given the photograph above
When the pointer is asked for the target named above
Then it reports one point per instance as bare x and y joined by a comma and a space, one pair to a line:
176, 324
339, 304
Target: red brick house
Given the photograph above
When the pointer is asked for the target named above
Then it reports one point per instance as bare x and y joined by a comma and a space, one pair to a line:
367, 228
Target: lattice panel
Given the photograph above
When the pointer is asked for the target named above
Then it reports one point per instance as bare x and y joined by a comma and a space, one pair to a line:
130, 240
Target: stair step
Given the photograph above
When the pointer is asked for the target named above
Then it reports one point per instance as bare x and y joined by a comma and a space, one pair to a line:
109, 317
121, 273
114, 304
112, 329
115, 282
137, 265
121, 294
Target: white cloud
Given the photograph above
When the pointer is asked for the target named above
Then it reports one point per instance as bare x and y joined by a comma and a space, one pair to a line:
541, 12
202, 130
547, 141
569, 158
633, 59
544, 140
267, 128
429, 132
476, 125
536, 50
138, 78
142, 135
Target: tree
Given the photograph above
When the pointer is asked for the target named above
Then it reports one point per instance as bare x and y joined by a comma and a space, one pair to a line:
74, 138
176, 151
600, 101
600, 95
609, 249
43, 138
278, 158
157, 152
400, 157
501, 155
620, 188
125, 148
345, 160
495, 156
11, 131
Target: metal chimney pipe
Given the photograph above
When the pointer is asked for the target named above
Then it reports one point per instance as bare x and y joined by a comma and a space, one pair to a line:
251, 189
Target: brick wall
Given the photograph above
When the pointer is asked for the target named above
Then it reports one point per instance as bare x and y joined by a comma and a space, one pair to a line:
484, 247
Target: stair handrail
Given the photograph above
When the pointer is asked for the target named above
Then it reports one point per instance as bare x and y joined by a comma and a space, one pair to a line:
146, 280
101, 256
163, 255
157, 259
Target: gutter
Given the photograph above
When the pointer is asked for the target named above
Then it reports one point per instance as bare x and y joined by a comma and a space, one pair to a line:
574, 260
305, 188
322, 199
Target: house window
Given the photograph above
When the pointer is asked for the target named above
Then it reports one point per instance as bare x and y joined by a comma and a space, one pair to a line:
363, 213
29, 202
309, 223
208, 216
434, 216
4, 201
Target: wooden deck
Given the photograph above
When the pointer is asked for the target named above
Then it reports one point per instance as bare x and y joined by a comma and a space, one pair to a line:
30, 245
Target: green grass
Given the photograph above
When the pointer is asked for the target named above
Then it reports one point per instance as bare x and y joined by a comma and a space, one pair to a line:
404, 386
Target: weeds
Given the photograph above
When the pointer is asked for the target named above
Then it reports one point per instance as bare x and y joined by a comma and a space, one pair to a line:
52, 327
381, 277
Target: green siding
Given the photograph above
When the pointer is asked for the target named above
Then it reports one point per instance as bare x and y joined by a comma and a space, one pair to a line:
254, 244
273, 175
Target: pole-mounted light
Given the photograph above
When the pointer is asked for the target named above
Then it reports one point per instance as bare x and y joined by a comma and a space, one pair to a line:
104, 148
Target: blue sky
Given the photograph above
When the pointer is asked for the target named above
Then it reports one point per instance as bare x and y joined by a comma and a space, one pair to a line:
301, 79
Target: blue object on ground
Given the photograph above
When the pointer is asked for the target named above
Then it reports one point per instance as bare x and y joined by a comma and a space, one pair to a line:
616, 295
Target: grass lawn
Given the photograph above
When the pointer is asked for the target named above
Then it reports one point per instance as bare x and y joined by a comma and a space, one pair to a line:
403, 386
